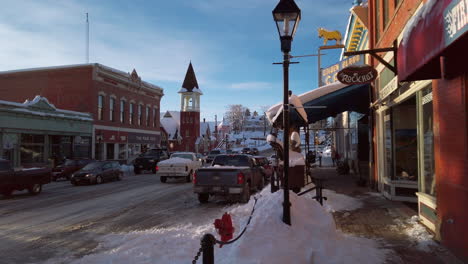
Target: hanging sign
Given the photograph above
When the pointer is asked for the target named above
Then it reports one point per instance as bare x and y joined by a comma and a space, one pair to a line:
328, 74
357, 74
455, 20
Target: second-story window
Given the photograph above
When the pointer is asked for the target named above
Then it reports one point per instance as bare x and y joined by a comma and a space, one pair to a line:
147, 115
154, 117
130, 114
140, 119
111, 109
100, 107
122, 111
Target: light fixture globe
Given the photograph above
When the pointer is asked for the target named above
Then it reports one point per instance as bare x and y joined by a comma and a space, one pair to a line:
287, 16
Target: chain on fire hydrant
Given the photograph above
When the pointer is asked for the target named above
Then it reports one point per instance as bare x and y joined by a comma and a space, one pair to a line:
224, 227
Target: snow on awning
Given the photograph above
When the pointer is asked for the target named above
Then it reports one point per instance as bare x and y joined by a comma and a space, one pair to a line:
438, 28
335, 98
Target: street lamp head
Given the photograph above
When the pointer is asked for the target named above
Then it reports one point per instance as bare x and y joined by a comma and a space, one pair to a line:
287, 16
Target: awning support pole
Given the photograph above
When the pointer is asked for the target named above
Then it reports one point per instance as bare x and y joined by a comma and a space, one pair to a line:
373, 53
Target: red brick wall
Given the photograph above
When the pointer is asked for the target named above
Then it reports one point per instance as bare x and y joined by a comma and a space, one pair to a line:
65, 88
74, 89
451, 154
193, 127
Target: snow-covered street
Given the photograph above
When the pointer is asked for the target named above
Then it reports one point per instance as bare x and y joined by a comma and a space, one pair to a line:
66, 220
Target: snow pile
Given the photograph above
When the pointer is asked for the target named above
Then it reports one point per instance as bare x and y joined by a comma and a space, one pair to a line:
312, 238
296, 159
421, 13
418, 233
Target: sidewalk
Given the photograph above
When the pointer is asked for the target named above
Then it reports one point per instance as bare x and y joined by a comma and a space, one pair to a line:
392, 223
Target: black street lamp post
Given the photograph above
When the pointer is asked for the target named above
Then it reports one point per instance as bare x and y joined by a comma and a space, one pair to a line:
287, 16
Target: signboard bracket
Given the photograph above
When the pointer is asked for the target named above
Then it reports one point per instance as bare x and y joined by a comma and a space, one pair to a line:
373, 53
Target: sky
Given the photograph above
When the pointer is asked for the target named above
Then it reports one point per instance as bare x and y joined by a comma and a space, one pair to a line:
231, 44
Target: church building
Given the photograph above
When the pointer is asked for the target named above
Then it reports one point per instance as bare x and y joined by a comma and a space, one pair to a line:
184, 131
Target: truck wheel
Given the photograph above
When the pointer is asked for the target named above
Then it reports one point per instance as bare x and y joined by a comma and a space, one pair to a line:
203, 197
119, 176
35, 189
7, 193
163, 179
245, 196
188, 178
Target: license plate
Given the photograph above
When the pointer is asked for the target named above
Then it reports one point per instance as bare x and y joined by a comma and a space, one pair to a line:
216, 189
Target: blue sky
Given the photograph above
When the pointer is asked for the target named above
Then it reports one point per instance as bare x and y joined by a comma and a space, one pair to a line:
231, 44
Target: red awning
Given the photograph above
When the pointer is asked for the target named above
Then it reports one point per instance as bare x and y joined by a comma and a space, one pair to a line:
428, 36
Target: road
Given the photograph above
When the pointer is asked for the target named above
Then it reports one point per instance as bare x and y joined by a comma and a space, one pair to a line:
66, 220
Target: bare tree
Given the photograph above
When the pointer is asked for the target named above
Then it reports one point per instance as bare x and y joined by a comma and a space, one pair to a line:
235, 114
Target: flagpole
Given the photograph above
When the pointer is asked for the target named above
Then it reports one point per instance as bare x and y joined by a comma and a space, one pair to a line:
87, 39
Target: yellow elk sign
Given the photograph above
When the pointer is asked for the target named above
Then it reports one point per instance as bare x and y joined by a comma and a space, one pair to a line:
329, 35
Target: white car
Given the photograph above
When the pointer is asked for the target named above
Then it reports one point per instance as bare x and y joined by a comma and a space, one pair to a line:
179, 165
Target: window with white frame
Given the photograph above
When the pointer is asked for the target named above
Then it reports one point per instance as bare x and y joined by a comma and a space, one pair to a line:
111, 109
122, 111
100, 107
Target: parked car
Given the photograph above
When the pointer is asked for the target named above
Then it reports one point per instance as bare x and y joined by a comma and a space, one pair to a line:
230, 176
180, 165
97, 172
212, 155
149, 160
30, 179
254, 151
246, 151
266, 168
200, 158
66, 169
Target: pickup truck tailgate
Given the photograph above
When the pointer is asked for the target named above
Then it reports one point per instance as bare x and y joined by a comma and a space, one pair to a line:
217, 176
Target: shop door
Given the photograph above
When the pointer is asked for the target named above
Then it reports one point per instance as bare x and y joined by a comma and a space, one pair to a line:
110, 151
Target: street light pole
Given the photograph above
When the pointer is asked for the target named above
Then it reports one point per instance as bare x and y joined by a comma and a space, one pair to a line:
286, 16
286, 203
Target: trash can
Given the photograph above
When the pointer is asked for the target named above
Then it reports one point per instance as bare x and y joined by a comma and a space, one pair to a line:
296, 177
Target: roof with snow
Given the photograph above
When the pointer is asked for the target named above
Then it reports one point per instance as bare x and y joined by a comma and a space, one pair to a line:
190, 82
171, 123
40, 106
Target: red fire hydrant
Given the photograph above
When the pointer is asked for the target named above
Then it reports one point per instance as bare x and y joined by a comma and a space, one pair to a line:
224, 227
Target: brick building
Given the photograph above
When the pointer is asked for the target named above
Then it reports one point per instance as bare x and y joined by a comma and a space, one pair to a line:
420, 122
125, 109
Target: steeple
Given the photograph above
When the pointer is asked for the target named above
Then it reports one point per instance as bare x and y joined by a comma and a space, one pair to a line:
190, 81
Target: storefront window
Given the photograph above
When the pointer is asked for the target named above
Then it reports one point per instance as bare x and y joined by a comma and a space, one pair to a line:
110, 151
405, 140
427, 182
122, 151
82, 147
388, 144
32, 148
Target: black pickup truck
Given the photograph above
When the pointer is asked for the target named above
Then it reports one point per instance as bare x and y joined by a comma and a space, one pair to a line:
30, 179
149, 159
229, 175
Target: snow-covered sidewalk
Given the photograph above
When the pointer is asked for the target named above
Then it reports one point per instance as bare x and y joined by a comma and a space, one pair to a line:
312, 238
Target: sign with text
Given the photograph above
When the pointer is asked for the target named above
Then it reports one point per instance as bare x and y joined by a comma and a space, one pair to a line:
144, 138
455, 20
389, 88
329, 74
357, 74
